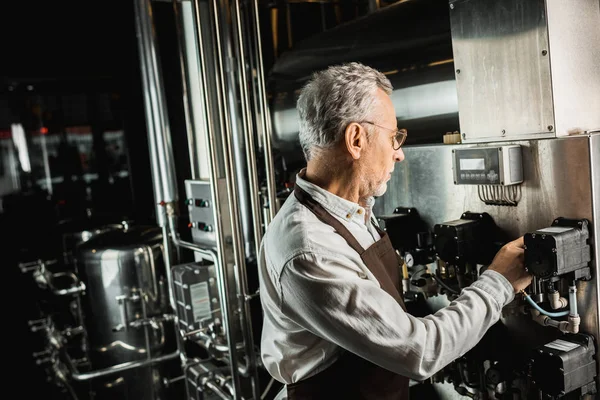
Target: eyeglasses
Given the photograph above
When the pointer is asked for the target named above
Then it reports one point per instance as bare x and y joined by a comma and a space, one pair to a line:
398, 139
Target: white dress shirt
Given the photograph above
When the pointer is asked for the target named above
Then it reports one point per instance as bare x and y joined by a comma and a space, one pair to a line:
319, 298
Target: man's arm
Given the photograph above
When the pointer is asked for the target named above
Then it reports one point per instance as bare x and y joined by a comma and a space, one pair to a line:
329, 299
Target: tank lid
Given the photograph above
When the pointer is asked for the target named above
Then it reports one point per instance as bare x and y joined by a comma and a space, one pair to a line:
124, 239
76, 225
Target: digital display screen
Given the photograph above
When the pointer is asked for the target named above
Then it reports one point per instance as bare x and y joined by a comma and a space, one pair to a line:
471, 164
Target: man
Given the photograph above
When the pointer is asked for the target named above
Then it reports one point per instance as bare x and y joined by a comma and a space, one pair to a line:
335, 326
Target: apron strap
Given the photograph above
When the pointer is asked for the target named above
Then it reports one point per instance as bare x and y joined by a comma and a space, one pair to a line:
327, 218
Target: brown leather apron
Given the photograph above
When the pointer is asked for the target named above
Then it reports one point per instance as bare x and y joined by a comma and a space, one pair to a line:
352, 377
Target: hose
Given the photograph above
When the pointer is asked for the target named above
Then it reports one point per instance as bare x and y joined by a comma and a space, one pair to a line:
443, 284
541, 310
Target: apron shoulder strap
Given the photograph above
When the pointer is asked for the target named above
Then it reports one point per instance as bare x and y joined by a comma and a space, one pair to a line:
317, 209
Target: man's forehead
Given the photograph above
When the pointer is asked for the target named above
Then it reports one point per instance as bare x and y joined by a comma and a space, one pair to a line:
384, 106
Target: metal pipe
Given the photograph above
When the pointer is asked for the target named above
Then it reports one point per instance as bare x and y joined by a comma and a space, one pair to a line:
187, 106
168, 261
241, 279
216, 389
141, 22
156, 111
123, 367
238, 240
266, 119
248, 129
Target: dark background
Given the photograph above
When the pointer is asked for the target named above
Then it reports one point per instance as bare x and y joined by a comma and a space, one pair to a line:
77, 63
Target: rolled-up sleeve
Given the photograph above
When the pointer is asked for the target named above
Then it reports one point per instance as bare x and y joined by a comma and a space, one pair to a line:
325, 295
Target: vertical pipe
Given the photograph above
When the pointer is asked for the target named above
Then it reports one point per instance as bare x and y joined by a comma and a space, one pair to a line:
159, 138
156, 112
248, 128
141, 16
266, 119
220, 263
255, 202
187, 105
230, 172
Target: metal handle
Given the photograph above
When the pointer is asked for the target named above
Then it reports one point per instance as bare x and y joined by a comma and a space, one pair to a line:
76, 287
124, 325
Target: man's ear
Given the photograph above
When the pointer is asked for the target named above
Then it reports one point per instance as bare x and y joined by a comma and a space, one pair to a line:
355, 139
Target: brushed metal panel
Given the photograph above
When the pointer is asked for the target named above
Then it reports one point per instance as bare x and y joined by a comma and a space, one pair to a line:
556, 183
502, 69
595, 239
574, 36
561, 178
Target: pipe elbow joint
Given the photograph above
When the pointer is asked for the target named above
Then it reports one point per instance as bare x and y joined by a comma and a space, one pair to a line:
556, 301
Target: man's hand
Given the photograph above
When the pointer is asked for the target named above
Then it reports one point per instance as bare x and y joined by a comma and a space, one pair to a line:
509, 261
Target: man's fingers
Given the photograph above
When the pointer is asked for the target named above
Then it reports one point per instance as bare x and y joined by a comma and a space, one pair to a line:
520, 242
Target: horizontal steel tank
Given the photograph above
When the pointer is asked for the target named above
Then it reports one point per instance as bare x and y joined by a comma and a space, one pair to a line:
417, 59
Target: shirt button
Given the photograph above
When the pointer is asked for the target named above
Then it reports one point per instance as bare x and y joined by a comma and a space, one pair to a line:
362, 275
360, 211
348, 215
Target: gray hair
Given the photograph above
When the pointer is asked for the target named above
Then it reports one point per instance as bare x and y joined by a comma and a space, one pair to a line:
334, 98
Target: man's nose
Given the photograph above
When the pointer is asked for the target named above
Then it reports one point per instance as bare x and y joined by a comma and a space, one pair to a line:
398, 155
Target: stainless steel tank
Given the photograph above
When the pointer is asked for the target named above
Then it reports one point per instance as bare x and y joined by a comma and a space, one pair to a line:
417, 58
126, 294
75, 232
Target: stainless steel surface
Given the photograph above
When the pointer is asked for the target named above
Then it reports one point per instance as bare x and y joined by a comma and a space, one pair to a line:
556, 181
196, 90
560, 179
84, 376
233, 258
127, 267
159, 137
264, 112
574, 34
187, 99
503, 76
76, 232
594, 154
254, 221
142, 9
418, 62
223, 249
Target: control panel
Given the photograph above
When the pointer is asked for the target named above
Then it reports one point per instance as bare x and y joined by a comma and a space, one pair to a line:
201, 212
492, 165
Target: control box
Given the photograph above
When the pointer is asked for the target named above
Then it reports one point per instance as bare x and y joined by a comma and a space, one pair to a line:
196, 295
559, 249
491, 165
565, 365
468, 239
201, 212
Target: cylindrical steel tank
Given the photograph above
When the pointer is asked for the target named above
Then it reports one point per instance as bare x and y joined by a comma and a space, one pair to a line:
77, 231
408, 41
126, 290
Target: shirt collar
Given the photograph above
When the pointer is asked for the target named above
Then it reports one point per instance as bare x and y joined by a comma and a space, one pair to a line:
335, 205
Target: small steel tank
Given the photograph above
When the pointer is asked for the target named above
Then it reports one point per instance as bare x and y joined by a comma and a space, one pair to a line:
77, 231
126, 295
125, 313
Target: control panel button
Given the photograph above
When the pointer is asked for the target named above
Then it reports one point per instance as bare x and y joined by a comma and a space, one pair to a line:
201, 203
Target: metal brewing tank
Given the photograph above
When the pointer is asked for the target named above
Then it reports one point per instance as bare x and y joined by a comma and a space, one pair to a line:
408, 41
75, 232
123, 307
